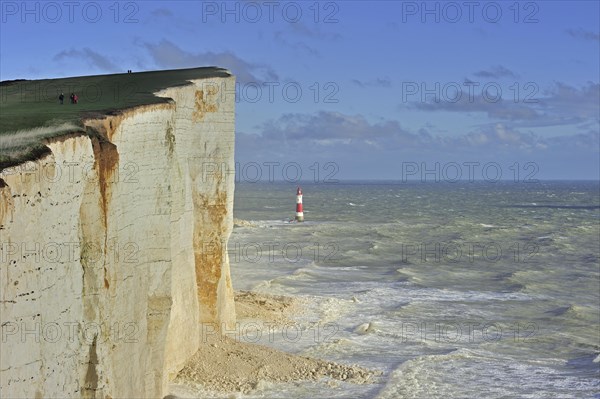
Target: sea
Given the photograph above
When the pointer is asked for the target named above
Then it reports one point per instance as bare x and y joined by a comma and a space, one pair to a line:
450, 290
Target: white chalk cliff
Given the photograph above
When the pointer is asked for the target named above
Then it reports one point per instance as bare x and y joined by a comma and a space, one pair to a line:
113, 249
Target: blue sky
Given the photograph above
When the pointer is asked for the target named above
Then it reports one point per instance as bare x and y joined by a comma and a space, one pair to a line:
372, 87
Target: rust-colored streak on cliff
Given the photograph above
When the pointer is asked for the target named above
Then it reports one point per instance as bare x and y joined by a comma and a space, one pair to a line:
107, 161
209, 250
206, 101
6, 203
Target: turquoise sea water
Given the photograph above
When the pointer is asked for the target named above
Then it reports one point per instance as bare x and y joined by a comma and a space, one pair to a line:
452, 290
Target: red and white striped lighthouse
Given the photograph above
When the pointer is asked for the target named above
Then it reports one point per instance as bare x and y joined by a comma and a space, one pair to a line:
299, 211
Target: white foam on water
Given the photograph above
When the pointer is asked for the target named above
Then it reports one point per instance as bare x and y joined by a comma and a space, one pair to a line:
353, 204
481, 374
370, 302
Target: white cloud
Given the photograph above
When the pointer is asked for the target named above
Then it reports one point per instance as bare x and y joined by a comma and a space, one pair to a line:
168, 55
93, 59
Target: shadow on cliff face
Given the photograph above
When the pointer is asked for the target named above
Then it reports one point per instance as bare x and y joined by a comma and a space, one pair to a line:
91, 376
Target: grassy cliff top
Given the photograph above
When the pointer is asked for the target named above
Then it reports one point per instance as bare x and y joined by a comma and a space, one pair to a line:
30, 109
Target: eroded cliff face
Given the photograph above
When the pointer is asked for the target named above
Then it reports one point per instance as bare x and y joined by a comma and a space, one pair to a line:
114, 249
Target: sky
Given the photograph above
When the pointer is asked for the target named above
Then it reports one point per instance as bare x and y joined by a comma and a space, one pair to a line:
395, 90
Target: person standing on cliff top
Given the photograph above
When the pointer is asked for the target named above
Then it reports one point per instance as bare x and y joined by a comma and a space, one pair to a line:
61, 98
72, 97
75, 98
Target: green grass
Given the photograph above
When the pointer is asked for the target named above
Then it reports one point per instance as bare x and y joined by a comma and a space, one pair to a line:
30, 110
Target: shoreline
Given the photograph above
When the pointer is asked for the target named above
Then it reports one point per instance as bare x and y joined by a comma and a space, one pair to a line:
238, 367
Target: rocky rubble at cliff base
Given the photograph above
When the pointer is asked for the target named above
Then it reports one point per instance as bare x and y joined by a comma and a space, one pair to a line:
236, 366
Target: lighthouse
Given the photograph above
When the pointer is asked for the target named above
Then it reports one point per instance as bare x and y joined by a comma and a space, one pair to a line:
299, 211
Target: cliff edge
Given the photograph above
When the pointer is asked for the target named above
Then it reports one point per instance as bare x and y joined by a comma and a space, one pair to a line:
113, 246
